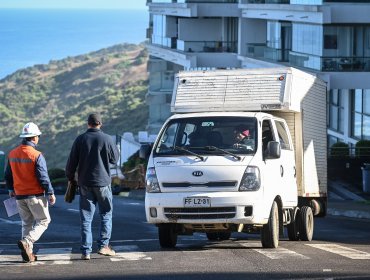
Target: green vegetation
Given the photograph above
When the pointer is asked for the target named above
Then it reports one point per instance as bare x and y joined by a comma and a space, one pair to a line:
339, 149
60, 95
363, 148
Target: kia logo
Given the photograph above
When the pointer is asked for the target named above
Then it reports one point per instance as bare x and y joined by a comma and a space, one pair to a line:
197, 173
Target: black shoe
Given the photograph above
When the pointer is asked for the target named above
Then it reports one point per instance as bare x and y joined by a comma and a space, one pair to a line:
26, 251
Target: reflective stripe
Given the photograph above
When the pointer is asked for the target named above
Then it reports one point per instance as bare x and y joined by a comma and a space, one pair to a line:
20, 160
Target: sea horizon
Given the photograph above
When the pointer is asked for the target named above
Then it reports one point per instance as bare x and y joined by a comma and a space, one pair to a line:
37, 36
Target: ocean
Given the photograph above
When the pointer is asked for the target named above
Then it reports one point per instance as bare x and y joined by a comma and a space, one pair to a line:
29, 37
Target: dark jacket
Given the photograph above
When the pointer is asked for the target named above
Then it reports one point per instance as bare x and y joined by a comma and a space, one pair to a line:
40, 173
90, 156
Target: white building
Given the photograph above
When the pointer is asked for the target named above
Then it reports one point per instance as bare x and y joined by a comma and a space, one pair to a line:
327, 37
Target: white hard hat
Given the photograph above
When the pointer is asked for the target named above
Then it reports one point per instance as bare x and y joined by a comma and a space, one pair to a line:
30, 130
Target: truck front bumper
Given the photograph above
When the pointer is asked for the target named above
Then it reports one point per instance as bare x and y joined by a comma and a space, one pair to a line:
225, 208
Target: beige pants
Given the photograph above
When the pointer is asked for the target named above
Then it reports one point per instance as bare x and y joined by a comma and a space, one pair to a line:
34, 213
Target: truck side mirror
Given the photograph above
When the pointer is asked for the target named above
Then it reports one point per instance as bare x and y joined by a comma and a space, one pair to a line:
144, 151
273, 150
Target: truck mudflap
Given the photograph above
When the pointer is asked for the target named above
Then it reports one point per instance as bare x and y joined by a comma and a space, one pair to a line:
318, 204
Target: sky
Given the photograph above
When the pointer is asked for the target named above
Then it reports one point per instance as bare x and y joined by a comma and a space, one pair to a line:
73, 4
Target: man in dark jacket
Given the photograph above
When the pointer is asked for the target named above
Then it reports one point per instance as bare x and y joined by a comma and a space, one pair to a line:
91, 154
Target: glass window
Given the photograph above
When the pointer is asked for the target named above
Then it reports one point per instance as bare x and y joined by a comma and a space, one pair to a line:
336, 111
360, 127
283, 135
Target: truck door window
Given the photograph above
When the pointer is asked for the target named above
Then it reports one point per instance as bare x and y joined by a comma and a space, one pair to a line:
283, 135
267, 133
167, 140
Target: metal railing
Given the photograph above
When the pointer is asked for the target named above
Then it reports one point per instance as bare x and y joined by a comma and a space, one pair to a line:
265, 2
262, 51
192, 1
326, 64
350, 152
207, 46
343, 64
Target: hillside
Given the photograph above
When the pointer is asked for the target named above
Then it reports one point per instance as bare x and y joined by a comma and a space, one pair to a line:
59, 96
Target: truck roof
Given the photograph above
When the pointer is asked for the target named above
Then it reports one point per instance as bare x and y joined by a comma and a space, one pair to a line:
219, 114
261, 89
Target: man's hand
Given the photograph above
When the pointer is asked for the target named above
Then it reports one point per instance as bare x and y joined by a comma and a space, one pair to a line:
52, 199
11, 193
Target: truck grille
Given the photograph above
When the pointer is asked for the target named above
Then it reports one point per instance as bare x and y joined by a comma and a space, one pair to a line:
221, 184
200, 213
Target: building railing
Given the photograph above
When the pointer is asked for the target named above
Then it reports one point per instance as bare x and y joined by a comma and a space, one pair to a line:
262, 51
207, 46
343, 64
326, 64
265, 2
192, 1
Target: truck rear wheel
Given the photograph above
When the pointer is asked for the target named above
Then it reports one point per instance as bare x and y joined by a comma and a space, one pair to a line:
219, 235
167, 235
306, 224
293, 227
270, 231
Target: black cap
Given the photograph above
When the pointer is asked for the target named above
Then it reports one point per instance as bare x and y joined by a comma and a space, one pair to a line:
94, 119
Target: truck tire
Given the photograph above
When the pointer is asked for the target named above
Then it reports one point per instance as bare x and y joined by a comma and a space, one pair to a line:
293, 227
167, 235
270, 231
306, 224
218, 235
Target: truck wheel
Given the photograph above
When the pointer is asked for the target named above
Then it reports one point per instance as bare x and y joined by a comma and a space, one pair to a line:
293, 227
270, 231
306, 224
220, 235
167, 235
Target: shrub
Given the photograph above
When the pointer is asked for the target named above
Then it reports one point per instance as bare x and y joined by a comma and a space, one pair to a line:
339, 149
133, 161
363, 148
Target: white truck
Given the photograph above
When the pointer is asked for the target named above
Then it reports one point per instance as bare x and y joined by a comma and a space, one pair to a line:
245, 151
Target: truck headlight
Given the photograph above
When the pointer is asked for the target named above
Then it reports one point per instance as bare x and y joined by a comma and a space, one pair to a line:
251, 180
151, 181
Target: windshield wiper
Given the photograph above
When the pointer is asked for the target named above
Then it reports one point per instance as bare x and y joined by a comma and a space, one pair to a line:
189, 152
224, 151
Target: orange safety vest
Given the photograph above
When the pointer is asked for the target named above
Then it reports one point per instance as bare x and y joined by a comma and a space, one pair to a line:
22, 161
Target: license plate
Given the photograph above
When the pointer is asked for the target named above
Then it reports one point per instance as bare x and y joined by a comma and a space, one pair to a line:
197, 202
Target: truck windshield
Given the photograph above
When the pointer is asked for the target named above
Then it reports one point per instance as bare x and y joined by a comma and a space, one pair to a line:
208, 136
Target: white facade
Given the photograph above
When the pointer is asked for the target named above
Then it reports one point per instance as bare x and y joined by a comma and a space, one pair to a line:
325, 37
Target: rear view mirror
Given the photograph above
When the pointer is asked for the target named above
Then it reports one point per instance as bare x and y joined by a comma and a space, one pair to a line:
273, 150
145, 150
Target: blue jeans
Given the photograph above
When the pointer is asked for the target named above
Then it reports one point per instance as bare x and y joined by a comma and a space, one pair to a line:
89, 197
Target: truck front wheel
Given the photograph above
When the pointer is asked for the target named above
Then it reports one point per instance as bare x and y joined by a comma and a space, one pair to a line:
270, 231
167, 235
306, 224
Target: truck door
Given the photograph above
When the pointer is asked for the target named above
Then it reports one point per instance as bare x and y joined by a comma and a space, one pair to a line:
287, 164
272, 180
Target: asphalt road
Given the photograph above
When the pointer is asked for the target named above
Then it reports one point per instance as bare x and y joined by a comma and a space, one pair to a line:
340, 250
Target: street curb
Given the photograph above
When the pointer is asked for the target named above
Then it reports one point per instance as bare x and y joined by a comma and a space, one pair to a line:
349, 213
342, 191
